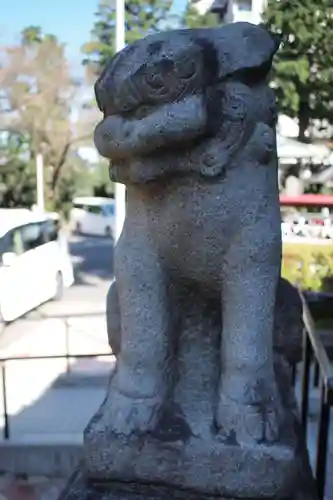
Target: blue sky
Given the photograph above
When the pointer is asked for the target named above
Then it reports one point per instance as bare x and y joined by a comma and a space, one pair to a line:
70, 20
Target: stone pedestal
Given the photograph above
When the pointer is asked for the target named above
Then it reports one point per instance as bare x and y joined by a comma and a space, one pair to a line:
158, 467
203, 462
79, 489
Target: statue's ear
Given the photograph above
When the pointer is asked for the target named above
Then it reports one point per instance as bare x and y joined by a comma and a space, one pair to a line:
276, 37
244, 47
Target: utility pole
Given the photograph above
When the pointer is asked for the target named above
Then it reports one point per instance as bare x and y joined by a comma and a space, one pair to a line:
40, 182
120, 190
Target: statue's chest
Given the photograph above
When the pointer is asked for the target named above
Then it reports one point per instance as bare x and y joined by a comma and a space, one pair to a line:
186, 213
191, 231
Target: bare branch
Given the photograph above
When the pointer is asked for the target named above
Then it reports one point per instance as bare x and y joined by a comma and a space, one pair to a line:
38, 98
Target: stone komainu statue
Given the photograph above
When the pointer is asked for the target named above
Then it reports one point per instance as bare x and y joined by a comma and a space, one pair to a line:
189, 127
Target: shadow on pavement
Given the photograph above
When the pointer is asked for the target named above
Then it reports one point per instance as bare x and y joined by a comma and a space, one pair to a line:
63, 408
45, 435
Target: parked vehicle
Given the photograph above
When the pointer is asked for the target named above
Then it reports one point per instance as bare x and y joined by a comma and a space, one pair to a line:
93, 215
35, 264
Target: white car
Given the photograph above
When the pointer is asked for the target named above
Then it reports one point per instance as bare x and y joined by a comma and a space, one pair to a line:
93, 215
35, 264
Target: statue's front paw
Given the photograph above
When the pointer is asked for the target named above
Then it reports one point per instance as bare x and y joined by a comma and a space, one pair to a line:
126, 415
242, 422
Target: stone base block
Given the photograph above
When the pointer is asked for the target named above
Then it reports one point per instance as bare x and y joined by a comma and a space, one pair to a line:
78, 488
209, 467
185, 452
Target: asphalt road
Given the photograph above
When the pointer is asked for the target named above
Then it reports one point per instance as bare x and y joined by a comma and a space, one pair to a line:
93, 266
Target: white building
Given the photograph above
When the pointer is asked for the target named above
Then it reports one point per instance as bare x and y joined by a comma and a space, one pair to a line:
237, 10
248, 10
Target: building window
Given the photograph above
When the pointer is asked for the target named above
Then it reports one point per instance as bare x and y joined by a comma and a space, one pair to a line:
244, 5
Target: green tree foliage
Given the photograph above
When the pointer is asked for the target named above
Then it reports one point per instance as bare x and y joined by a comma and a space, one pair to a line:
37, 93
17, 184
31, 35
192, 19
142, 18
75, 180
100, 181
17, 178
303, 70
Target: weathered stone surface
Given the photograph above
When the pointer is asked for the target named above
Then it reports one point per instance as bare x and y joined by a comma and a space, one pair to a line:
79, 489
208, 239
287, 329
200, 398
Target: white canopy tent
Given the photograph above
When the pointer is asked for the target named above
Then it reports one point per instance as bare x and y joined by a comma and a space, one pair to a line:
290, 150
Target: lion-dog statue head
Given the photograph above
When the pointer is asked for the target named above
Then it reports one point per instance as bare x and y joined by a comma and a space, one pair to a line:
163, 97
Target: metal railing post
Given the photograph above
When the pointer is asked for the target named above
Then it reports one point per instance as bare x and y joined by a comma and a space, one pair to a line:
314, 348
4, 401
316, 375
307, 356
322, 443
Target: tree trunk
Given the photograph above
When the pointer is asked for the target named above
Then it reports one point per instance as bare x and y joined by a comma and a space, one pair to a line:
303, 118
58, 167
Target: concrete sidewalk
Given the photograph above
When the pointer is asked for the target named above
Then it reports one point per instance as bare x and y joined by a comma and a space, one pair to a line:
29, 383
46, 435
54, 409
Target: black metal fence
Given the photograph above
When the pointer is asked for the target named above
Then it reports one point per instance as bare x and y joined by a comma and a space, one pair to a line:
314, 353
67, 356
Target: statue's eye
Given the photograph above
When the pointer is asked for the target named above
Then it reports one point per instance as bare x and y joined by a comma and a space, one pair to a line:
155, 81
126, 108
186, 68
141, 112
123, 104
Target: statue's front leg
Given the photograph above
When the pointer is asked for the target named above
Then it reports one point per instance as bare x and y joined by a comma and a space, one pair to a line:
249, 404
140, 381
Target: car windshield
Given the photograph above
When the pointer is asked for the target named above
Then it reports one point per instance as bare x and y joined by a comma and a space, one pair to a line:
108, 209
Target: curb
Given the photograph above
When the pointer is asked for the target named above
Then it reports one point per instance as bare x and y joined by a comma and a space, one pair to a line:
46, 459
81, 380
